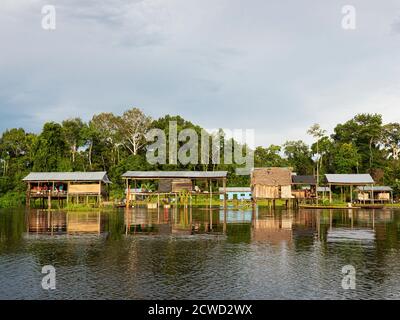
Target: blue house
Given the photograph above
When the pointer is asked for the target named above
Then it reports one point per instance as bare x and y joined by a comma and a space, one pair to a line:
236, 193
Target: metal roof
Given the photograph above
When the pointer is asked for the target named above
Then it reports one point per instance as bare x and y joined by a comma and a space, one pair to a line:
349, 178
304, 180
236, 189
375, 188
175, 174
67, 176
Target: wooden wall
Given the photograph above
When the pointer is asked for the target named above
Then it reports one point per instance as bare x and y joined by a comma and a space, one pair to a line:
84, 189
272, 192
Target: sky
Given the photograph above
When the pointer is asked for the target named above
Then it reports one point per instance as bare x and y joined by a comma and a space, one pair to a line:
273, 66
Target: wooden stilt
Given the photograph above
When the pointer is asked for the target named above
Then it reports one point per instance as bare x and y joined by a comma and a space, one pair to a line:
128, 193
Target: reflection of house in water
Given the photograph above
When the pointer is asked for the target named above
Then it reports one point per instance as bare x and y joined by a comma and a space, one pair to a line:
48, 222
354, 225
165, 221
273, 229
348, 234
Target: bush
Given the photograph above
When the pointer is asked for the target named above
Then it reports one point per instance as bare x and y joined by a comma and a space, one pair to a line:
12, 199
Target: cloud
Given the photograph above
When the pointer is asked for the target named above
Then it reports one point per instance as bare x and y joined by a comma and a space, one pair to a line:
270, 66
396, 25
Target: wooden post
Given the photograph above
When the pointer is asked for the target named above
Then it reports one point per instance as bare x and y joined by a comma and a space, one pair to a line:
224, 186
372, 191
49, 200
67, 193
28, 196
100, 195
134, 196
330, 193
128, 193
210, 194
351, 193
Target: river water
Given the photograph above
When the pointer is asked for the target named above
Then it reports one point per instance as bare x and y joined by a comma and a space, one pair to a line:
200, 253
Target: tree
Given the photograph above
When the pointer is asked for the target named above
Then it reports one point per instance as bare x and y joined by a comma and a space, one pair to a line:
318, 133
16, 158
391, 139
347, 159
51, 149
364, 131
133, 128
107, 126
268, 157
299, 156
73, 131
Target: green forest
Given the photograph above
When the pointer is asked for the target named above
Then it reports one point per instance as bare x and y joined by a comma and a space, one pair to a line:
116, 143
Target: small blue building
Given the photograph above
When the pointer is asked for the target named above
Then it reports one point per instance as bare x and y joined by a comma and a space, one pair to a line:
236, 193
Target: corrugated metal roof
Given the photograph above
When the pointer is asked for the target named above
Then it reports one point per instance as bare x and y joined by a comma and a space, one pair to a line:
375, 188
236, 189
175, 174
349, 178
304, 180
67, 176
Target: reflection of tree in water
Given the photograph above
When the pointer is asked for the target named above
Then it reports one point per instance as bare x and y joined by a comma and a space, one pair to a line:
12, 228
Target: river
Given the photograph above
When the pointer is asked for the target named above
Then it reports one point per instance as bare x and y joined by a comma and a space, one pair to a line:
196, 253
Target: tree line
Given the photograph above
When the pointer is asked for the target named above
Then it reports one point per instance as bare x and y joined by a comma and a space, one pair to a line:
116, 143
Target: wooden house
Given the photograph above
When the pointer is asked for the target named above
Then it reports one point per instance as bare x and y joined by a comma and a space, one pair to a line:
236, 193
66, 186
172, 183
271, 183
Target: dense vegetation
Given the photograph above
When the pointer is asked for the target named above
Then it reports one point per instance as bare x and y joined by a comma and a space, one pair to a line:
115, 143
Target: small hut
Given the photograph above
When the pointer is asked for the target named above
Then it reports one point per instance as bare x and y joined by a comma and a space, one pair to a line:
304, 187
271, 183
75, 186
171, 183
374, 193
236, 193
349, 181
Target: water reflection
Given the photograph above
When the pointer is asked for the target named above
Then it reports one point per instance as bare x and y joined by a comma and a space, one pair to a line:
61, 222
200, 253
259, 225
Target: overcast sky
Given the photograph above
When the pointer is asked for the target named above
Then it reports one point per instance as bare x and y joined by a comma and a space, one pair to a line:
273, 66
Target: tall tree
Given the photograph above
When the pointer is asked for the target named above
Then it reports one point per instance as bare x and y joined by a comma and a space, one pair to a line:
133, 128
318, 133
391, 139
51, 149
347, 159
364, 131
299, 156
73, 131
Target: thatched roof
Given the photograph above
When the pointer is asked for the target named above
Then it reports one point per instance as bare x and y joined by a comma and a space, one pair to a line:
271, 176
